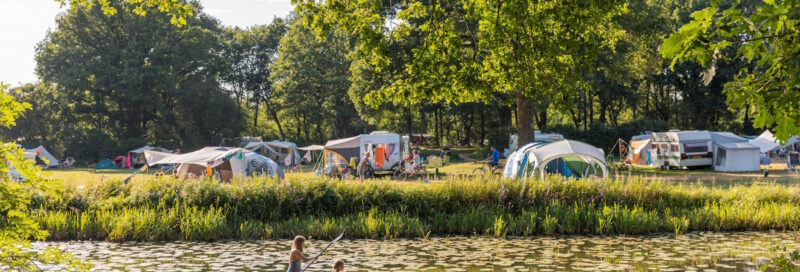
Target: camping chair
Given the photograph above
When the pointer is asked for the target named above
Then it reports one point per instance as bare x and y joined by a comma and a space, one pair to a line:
793, 162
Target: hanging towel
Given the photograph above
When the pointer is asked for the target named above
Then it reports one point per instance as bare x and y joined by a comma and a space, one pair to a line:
379, 156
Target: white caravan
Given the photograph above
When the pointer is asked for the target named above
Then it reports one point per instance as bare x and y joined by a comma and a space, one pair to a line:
679, 149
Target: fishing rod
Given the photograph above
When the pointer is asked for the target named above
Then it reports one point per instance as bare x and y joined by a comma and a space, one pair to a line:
323, 250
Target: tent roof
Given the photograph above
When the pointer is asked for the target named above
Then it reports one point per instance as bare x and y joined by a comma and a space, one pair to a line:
51, 160
566, 148
726, 137
764, 145
638, 145
205, 156
641, 137
147, 147
738, 145
312, 148
351, 142
283, 144
767, 136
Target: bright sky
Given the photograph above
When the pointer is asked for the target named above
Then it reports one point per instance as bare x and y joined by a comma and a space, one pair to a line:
24, 23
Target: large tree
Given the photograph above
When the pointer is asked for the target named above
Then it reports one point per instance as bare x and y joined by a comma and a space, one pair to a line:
138, 79
311, 79
765, 34
250, 53
463, 51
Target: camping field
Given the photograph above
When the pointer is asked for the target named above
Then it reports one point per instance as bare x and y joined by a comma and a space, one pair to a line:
777, 174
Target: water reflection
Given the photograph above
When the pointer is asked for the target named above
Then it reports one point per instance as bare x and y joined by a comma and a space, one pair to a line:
691, 252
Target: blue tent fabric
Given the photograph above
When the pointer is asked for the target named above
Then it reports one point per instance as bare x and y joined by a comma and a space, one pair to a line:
105, 164
522, 165
647, 160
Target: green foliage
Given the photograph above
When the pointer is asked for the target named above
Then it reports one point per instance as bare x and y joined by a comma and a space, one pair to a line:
178, 10
141, 80
763, 34
17, 228
167, 209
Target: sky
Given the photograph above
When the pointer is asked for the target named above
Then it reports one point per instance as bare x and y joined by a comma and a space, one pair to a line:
24, 23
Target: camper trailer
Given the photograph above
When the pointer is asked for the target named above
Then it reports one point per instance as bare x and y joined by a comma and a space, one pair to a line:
679, 149
538, 136
387, 149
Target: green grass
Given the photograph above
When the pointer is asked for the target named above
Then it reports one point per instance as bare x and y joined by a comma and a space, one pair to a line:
168, 209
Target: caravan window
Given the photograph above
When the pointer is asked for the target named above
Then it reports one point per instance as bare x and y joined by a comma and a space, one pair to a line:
695, 148
721, 154
674, 148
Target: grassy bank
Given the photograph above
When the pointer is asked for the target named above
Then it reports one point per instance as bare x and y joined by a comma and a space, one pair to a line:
254, 209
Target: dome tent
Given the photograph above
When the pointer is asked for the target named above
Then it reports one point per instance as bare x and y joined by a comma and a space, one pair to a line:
39, 155
568, 157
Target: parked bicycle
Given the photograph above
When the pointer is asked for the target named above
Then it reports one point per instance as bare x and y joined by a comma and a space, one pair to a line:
418, 172
487, 167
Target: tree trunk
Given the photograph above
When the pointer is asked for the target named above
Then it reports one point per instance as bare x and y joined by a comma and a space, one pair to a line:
423, 126
277, 121
255, 119
542, 124
524, 119
409, 124
483, 124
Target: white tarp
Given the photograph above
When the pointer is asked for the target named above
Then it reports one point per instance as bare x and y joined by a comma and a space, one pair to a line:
211, 156
43, 154
767, 142
289, 147
312, 148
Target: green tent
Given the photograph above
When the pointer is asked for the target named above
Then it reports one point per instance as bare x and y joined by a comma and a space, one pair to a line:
105, 164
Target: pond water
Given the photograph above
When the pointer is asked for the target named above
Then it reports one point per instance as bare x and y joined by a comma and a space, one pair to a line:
691, 252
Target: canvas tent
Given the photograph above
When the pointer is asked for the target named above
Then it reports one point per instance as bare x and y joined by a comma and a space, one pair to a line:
225, 162
39, 155
313, 155
136, 157
568, 158
733, 153
286, 149
639, 150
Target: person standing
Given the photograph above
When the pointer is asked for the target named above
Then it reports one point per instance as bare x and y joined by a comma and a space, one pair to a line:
296, 257
362, 167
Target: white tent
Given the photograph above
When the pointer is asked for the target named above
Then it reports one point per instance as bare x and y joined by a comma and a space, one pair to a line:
555, 157
733, 153
228, 162
43, 155
768, 143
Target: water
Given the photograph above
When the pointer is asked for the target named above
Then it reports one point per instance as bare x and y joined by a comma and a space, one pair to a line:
692, 252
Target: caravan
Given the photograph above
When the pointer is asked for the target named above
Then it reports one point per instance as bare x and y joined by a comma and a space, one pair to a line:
388, 150
680, 149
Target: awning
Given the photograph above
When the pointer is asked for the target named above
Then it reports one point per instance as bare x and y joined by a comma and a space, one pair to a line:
312, 148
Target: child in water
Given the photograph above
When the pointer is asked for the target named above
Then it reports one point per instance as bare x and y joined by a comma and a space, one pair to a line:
338, 266
297, 256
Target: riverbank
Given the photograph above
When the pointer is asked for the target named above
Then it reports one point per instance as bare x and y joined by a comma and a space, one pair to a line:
738, 251
169, 210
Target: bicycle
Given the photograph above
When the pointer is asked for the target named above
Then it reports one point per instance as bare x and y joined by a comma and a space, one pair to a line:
486, 167
420, 171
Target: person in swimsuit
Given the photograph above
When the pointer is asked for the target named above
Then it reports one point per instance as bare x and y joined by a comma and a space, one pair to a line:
296, 257
338, 266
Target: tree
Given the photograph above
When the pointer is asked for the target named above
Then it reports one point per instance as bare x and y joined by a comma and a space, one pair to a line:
139, 80
251, 52
763, 34
311, 79
464, 51
16, 226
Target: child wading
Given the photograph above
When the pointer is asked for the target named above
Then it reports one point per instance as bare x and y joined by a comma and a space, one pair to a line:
297, 256
338, 266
